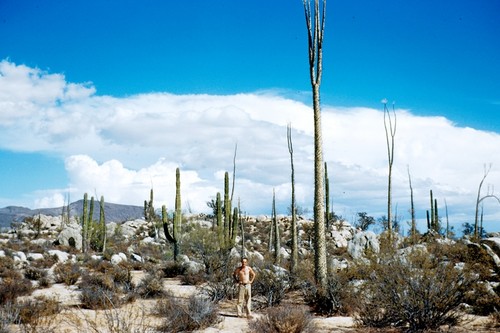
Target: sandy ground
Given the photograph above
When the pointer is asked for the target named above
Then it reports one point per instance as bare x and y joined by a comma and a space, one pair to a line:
138, 315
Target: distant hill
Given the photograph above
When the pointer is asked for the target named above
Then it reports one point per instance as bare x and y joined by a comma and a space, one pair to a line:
113, 212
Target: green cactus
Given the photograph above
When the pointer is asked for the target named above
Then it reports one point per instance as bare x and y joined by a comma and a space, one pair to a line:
102, 223
276, 239
234, 226
227, 210
173, 237
220, 225
85, 223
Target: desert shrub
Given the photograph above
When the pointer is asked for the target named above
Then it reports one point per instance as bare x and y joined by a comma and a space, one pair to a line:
44, 282
415, 291
122, 276
150, 286
334, 300
173, 269
272, 283
197, 314
38, 312
67, 273
495, 319
96, 298
34, 273
217, 291
6, 265
193, 278
9, 314
484, 299
103, 281
283, 319
47, 261
11, 288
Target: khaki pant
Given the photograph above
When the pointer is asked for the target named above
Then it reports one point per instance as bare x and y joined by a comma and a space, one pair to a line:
244, 299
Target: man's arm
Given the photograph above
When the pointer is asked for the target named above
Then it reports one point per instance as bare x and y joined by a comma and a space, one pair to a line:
236, 275
252, 275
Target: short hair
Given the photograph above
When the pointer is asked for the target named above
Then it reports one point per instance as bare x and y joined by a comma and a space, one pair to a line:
244, 258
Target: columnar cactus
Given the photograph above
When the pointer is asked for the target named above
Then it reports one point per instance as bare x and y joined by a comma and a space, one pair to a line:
275, 226
174, 236
227, 210
85, 223
102, 223
327, 198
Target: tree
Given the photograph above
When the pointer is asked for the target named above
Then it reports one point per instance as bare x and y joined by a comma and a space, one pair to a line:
364, 221
295, 243
390, 133
315, 21
413, 231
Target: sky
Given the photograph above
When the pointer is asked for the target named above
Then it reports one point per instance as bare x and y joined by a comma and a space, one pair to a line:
110, 97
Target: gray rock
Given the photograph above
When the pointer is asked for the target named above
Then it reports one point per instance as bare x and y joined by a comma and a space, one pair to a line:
361, 243
34, 256
61, 256
71, 235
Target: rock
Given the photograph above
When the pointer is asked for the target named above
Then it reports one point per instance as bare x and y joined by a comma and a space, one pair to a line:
338, 265
2, 253
19, 256
131, 228
118, 258
34, 256
361, 243
136, 257
61, 256
71, 235
493, 243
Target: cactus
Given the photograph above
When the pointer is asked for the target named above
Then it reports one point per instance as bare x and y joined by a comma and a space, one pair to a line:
174, 236
220, 225
227, 210
234, 226
85, 223
102, 223
327, 198
276, 239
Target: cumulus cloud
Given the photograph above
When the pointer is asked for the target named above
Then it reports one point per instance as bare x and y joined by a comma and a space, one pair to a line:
121, 147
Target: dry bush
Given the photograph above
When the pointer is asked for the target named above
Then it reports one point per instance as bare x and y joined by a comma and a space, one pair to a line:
98, 292
12, 288
9, 314
283, 319
173, 269
34, 273
193, 278
122, 276
67, 273
47, 261
36, 315
6, 266
197, 314
416, 291
150, 286
484, 299
217, 291
271, 283
336, 299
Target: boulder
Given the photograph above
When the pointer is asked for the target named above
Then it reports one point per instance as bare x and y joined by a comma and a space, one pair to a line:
34, 256
118, 258
362, 242
71, 235
61, 256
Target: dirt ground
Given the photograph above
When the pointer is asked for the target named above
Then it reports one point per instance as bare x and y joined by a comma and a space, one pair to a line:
138, 315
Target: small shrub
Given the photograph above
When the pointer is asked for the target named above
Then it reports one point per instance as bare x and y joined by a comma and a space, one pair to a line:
272, 284
67, 273
193, 279
219, 291
9, 314
283, 319
34, 273
11, 288
335, 300
34, 312
173, 269
103, 281
150, 286
198, 314
94, 297
6, 265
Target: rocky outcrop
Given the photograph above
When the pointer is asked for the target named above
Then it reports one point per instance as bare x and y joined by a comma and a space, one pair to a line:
362, 243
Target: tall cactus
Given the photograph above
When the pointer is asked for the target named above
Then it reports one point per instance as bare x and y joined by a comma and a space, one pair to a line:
85, 223
275, 226
102, 223
327, 198
220, 225
175, 235
227, 210
295, 247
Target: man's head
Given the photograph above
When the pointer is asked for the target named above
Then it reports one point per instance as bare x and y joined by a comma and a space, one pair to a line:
244, 261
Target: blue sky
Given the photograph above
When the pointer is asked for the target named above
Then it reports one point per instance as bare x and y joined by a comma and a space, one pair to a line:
178, 63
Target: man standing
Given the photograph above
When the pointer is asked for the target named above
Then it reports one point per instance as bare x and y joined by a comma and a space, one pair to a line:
244, 276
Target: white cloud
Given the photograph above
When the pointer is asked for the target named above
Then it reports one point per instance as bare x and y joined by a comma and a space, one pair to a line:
119, 147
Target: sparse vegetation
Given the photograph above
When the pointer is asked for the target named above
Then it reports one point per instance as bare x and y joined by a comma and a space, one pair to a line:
283, 319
